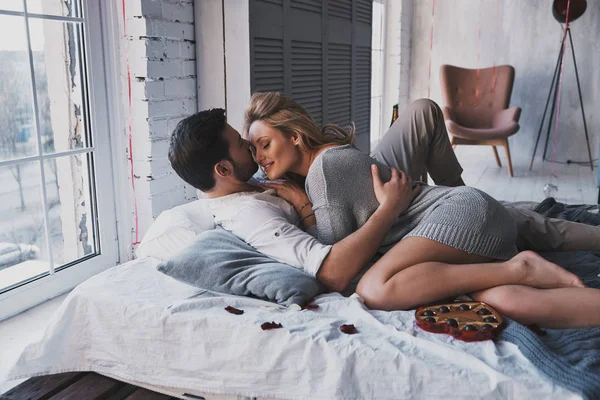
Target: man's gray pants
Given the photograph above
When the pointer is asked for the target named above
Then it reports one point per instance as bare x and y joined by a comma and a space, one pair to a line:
418, 140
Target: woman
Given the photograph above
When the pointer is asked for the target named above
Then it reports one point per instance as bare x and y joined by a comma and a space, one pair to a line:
445, 244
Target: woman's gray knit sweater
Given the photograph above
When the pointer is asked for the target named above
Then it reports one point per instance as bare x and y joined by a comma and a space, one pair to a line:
340, 186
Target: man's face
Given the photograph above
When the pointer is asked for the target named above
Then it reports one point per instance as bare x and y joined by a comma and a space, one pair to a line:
244, 165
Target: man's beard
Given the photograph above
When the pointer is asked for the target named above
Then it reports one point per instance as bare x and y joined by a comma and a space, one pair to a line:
244, 172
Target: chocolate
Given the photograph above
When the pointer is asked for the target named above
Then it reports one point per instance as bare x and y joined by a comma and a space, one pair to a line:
468, 321
452, 322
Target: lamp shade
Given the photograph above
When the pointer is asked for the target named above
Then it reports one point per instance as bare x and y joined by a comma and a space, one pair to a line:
559, 9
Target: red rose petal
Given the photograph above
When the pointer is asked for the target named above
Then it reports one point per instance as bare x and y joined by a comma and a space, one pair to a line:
270, 325
348, 329
234, 310
310, 307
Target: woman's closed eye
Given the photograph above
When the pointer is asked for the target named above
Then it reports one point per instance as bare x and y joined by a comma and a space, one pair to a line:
266, 145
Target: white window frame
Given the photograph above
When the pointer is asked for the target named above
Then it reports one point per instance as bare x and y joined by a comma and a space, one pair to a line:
102, 73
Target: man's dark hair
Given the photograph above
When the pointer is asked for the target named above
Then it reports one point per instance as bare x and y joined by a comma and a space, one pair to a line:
197, 144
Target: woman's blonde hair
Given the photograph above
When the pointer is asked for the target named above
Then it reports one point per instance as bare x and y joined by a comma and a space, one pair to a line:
291, 118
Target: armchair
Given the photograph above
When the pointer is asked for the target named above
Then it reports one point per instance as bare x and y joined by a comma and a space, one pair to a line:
476, 107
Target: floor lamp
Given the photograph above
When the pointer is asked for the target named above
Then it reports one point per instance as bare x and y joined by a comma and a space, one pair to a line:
561, 9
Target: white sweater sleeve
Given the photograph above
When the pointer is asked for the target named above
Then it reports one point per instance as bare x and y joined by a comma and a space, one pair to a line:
264, 227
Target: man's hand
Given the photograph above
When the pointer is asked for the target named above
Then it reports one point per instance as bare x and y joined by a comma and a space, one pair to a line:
288, 190
396, 194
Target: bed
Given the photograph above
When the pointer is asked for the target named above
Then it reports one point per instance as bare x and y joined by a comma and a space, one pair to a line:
140, 326
137, 325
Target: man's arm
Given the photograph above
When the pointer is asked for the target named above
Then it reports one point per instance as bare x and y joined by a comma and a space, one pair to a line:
265, 228
348, 256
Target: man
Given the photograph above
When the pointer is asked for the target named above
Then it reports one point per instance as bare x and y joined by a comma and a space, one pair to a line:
210, 155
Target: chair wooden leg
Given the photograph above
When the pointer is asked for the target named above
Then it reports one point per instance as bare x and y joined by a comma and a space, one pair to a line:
508, 160
496, 155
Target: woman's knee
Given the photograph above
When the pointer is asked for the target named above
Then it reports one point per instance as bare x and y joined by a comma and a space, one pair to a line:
368, 291
376, 296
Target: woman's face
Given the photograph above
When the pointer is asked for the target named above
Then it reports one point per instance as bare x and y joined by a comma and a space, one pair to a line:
276, 153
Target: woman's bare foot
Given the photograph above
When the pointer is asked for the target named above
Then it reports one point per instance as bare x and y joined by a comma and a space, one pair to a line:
542, 274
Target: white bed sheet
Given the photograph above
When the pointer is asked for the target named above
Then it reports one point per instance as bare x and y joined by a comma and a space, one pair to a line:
136, 324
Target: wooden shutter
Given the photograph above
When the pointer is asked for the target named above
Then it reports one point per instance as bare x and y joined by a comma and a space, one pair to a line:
319, 53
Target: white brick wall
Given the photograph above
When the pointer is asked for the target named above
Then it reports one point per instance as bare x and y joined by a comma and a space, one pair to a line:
160, 48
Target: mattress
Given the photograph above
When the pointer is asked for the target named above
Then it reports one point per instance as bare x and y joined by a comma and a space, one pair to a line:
140, 326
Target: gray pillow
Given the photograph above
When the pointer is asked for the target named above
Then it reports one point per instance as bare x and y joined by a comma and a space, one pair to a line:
221, 262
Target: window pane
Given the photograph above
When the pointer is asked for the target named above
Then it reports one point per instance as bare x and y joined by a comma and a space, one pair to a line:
58, 79
72, 230
65, 8
11, 5
17, 125
23, 250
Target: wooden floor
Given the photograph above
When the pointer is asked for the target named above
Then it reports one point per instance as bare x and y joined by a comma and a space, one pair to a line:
79, 386
576, 184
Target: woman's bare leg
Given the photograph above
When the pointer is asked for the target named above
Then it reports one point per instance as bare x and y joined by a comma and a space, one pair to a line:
548, 308
419, 271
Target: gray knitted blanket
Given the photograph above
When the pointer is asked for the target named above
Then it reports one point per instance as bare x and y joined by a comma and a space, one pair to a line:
569, 357
339, 184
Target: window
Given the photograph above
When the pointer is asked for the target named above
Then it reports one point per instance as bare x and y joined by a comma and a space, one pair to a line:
55, 225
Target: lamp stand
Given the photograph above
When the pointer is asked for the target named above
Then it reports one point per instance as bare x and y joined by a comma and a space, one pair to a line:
554, 87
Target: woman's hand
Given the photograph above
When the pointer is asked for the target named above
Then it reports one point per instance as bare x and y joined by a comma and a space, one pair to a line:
288, 190
396, 194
